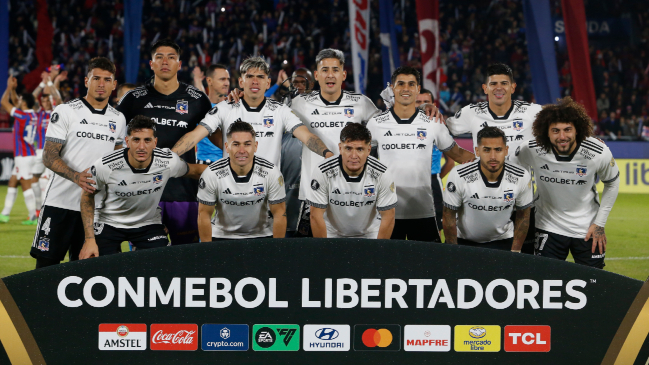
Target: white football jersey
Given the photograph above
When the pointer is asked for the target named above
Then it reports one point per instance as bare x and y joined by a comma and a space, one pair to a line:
484, 208
326, 120
516, 123
566, 195
406, 147
128, 197
241, 201
86, 134
352, 203
270, 120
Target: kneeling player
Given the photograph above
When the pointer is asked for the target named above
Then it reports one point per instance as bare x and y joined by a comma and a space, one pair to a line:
348, 190
129, 186
242, 187
483, 194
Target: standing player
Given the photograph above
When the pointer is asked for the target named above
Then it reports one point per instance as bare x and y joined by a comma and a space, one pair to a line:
405, 138
176, 108
271, 119
41, 177
129, 185
218, 82
242, 187
567, 162
348, 190
483, 195
80, 132
25, 120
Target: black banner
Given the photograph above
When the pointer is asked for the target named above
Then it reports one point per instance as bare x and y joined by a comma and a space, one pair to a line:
318, 301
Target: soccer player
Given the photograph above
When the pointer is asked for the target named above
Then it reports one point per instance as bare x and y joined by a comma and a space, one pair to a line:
176, 108
483, 194
122, 89
270, 118
129, 185
24, 130
242, 187
218, 82
80, 131
405, 137
347, 191
41, 177
567, 162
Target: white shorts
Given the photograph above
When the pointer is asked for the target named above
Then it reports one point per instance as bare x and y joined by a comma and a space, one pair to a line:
38, 167
23, 167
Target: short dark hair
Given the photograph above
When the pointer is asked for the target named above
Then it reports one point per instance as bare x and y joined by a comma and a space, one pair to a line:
426, 91
241, 126
101, 63
140, 122
212, 68
29, 100
499, 69
167, 42
127, 85
491, 132
355, 132
565, 110
405, 70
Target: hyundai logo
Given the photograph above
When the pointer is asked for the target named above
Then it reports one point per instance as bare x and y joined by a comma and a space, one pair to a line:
327, 334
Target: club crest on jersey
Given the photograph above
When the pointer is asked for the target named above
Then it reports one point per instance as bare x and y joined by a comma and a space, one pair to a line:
518, 125
258, 190
112, 126
509, 197
581, 171
269, 122
157, 179
182, 107
368, 191
44, 244
421, 135
349, 112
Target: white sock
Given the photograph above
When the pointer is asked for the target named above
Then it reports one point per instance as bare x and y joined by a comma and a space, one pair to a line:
30, 202
36, 189
42, 182
9, 200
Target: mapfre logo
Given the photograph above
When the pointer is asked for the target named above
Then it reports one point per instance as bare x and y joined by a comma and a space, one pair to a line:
427, 338
527, 338
176, 337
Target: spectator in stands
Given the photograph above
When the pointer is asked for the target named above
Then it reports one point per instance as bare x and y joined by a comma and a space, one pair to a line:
603, 103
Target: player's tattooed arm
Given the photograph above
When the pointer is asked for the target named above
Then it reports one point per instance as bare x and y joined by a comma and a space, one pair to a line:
52, 160
87, 208
311, 141
189, 140
599, 238
449, 223
460, 154
279, 219
521, 225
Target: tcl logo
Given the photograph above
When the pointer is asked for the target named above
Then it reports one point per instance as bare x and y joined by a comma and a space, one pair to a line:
178, 337
527, 338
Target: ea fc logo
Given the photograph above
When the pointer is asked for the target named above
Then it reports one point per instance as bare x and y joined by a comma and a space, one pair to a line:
421, 135
373, 337
518, 125
477, 332
268, 122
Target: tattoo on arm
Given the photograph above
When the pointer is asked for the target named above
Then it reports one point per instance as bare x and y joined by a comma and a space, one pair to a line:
316, 145
450, 226
88, 214
52, 160
521, 226
183, 145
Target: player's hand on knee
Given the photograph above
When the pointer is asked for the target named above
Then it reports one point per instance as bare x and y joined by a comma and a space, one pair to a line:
83, 180
89, 249
599, 238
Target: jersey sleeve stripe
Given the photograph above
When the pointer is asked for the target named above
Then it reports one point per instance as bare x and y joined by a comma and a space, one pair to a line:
107, 161
54, 140
515, 168
592, 149
526, 206
329, 163
451, 207
321, 206
263, 160
468, 172
468, 167
449, 148
219, 166
613, 179
209, 129
381, 209
277, 201
113, 154
376, 167
295, 127
376, 163
204, 202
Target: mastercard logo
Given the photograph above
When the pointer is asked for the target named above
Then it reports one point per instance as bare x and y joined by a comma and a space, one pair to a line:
373, 337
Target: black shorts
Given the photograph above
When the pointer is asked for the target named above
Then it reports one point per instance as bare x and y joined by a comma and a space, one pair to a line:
58, 231
422, 229
109, 239
438, 198
504, 245
304, 221
556, 246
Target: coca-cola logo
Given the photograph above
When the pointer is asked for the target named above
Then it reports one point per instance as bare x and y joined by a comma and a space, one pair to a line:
174, 337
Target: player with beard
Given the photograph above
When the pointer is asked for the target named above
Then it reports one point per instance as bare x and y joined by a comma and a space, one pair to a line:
567, 163
483, 194
218, 83
176, 108
80, 132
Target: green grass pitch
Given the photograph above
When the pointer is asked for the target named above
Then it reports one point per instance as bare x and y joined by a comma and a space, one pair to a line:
627, 231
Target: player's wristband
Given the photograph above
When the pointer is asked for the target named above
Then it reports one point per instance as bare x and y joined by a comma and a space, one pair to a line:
41, 85
50, 83
517, 251
324, 153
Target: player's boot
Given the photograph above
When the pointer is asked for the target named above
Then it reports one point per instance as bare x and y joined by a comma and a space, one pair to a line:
4, 218
30, 222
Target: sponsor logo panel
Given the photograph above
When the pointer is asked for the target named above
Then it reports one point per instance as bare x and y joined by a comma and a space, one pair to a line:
377, 337
276, 337
224, 337
122, 336
427, 338
327, 337
174, 336
527, 338
477, 338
